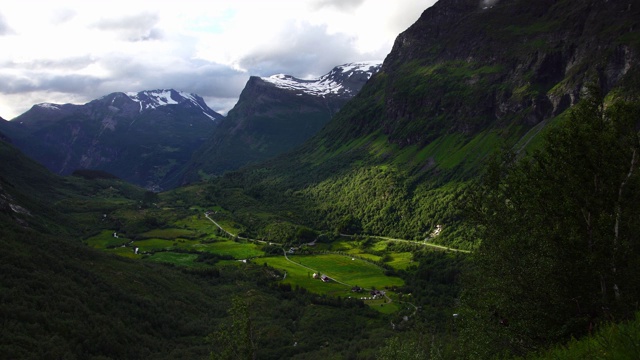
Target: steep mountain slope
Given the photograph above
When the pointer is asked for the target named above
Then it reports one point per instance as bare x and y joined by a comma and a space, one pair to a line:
463, 81
140, 137
3, 124
275, 114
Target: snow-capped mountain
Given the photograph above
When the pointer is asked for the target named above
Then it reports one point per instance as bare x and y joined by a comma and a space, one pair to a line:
153, 99
274, 114
141, 137
342, 80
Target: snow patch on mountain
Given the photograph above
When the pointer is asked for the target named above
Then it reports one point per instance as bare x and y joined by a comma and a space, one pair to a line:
156, 98
49, 106
331, 83
152, 99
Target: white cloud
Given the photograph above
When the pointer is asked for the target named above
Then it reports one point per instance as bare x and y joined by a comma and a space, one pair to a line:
76, 50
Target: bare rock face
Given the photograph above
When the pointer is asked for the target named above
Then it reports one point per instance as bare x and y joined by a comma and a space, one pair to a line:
469, 65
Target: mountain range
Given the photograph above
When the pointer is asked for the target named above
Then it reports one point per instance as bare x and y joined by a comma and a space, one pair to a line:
140, 137
161, 138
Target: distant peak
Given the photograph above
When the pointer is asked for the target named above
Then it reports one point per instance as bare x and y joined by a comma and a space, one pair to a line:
48, 106
333, 82
152, 99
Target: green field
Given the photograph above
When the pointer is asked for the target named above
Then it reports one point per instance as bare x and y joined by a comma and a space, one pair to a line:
127, 252
179, 259
169, 234
339, 267
299, 276
401, 261
349, 270
105, 239
239, 250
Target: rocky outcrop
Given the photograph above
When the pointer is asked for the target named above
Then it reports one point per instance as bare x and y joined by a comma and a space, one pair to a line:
475, 65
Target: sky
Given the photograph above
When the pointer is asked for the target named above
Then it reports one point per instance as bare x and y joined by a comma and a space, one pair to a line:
74, 51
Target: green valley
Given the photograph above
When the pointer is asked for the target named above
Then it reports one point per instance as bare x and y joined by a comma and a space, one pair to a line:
479, 198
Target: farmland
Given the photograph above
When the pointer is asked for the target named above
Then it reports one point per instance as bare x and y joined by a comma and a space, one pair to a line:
195, 241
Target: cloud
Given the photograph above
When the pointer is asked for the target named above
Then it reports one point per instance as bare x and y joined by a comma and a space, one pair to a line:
68, 83
5, 29
73, 63
63, 15
138, 27
305, 51
342, 5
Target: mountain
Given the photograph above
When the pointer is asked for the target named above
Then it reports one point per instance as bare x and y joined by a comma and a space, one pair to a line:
3, 124
140, 137
276, 114
462, 82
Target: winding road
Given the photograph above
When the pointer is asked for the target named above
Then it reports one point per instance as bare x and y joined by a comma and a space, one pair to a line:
238, 236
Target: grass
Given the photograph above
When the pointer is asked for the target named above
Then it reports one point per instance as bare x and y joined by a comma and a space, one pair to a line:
349, 270
340, 267
381, 305
180, 259
343, 268
105, 240
197, 223
124, 252
401, 261
154, 244
299, 276
611, 341
169, 234
238, 250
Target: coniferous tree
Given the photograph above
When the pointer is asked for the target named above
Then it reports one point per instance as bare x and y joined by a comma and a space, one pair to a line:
559, 235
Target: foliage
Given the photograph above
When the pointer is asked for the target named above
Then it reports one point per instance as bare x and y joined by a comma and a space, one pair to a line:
236, 340
559, 232
610, 341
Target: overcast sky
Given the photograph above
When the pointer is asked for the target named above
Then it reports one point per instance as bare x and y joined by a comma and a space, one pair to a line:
74, 51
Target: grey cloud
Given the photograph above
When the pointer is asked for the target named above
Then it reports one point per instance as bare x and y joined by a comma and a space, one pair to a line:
310, 51
139, 27
58, 83
339, 4
70, 64
71, 83
61, 16
5, 29
411, 10
206, 79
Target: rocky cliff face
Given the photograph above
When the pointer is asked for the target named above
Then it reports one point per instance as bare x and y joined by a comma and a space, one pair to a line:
141, 137
468, 65
275, 114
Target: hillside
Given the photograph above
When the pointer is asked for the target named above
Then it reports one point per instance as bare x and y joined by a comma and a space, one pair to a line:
276, 114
